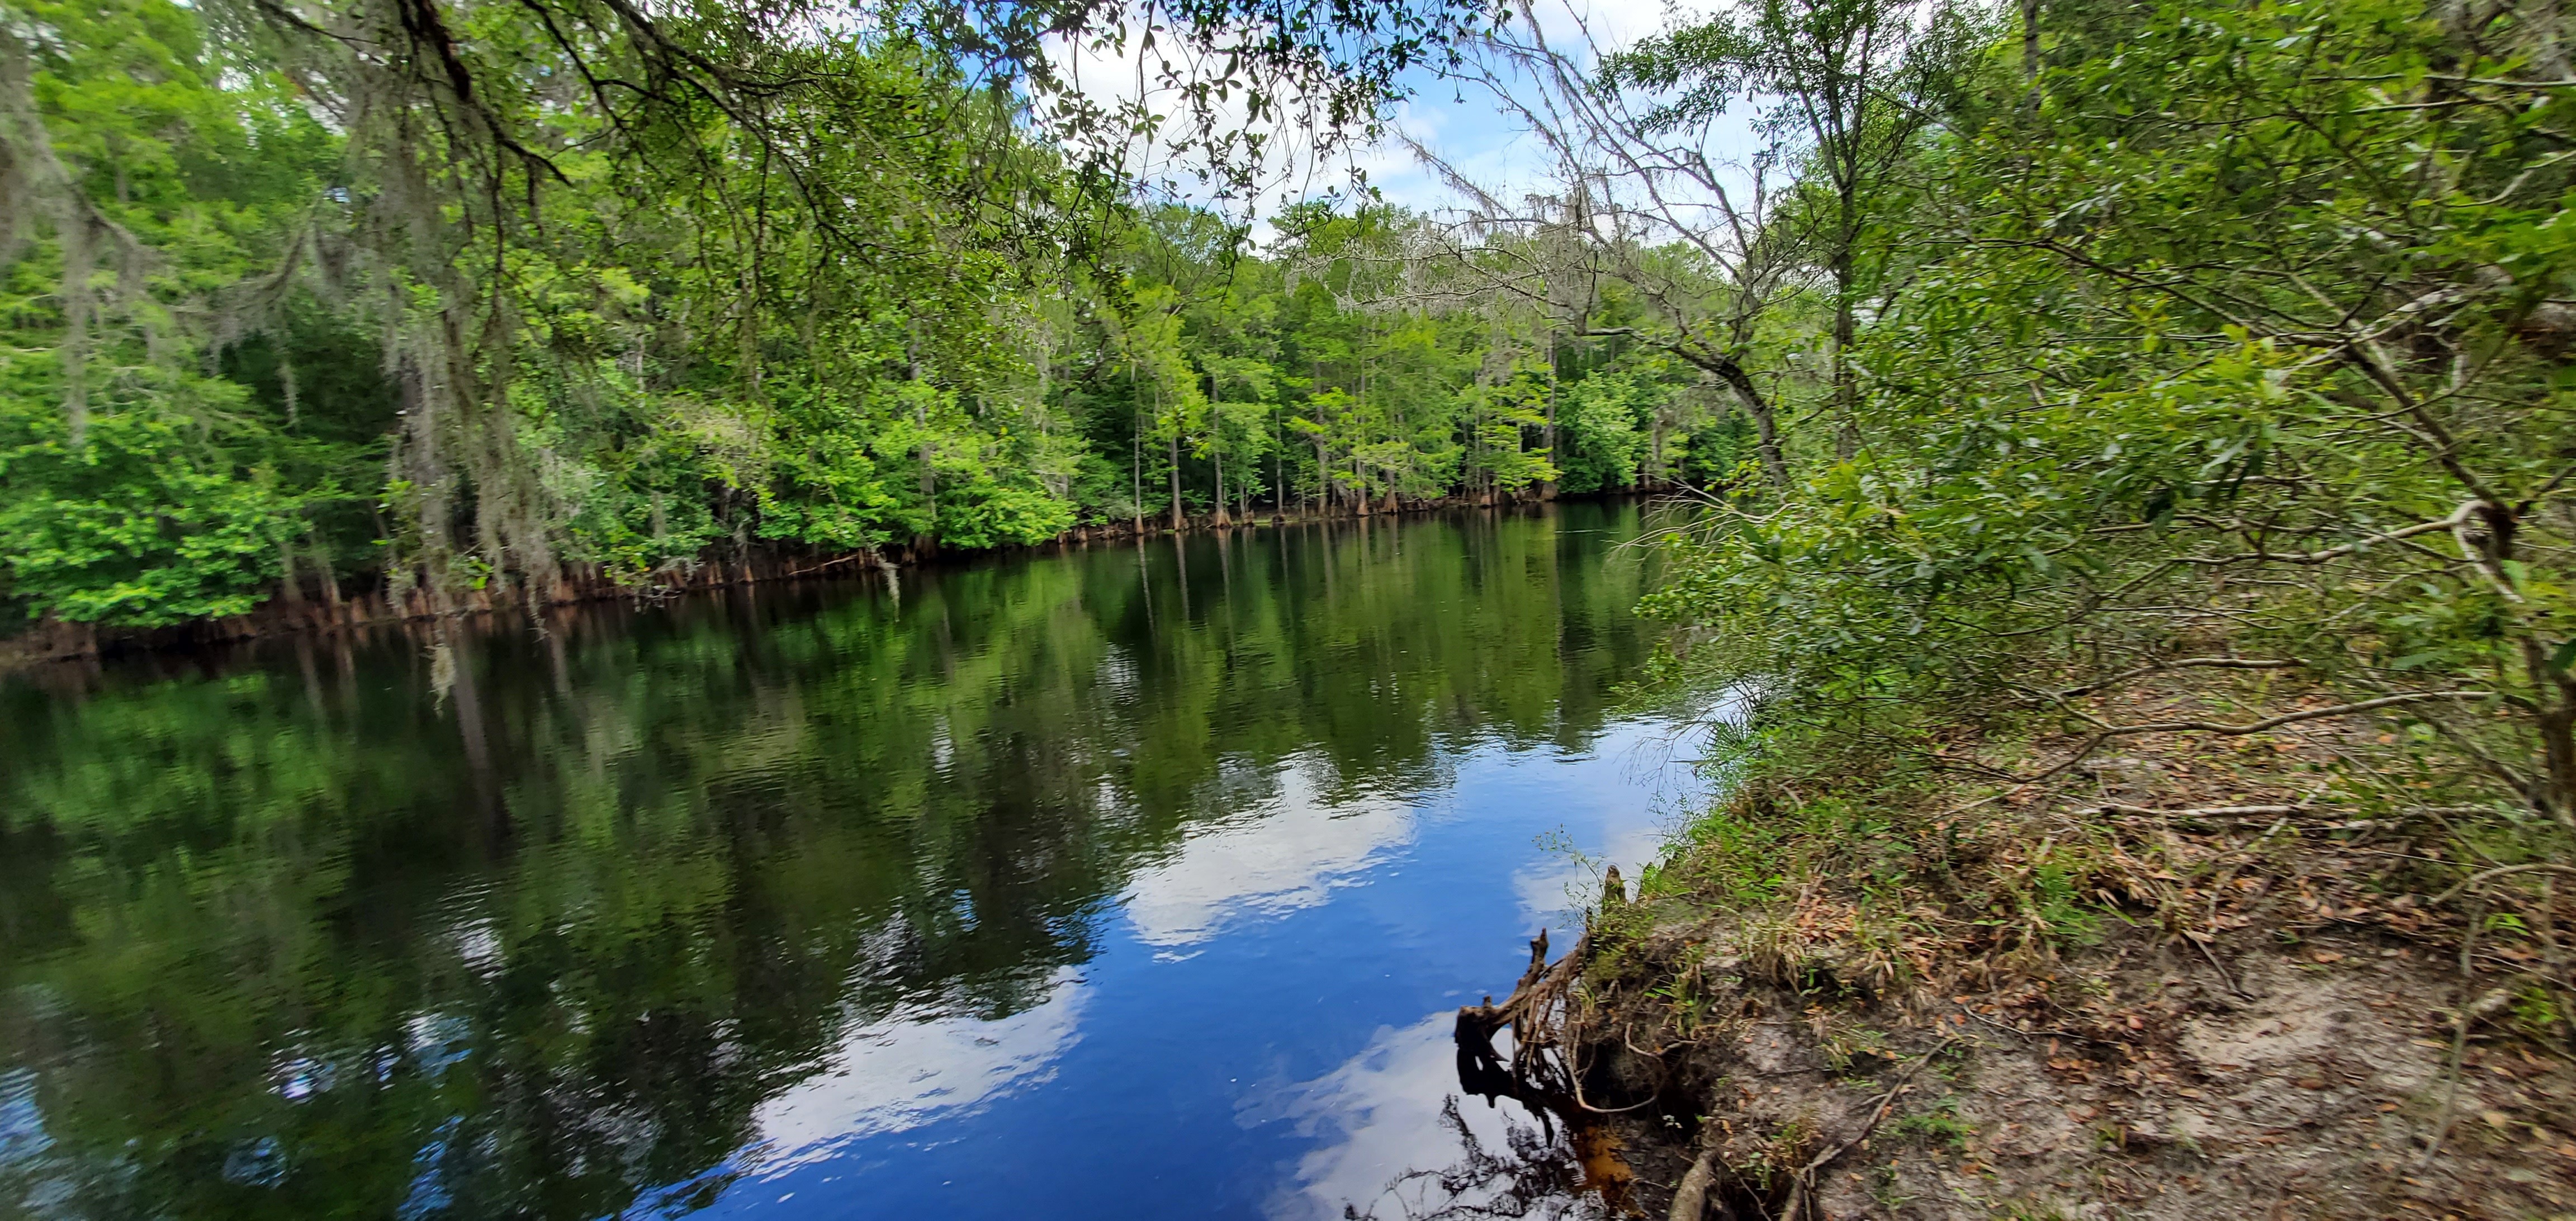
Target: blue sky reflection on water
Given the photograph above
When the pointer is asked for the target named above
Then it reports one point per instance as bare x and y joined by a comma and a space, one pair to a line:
1266, 1031
1130, 881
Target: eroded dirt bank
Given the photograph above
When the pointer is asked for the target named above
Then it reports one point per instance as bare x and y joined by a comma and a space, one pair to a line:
2179, 982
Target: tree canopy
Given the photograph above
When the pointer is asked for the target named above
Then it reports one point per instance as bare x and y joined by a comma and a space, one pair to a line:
276, 319
2166, 339
2000, 355
427, 298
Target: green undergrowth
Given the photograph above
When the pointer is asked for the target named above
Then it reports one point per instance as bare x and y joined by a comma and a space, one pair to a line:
1859, 887
1852, 876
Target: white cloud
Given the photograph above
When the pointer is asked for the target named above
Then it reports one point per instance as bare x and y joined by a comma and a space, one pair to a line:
1465, 127
1653, 780
1612, 26
917, 1065
1458, 123
1384, 1106
1290, 852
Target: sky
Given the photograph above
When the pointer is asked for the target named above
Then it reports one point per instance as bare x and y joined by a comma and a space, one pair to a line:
1462, 124
1458, 122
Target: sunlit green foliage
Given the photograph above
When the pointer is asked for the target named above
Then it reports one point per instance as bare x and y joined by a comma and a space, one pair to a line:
282, 321
2223, 336
138, 488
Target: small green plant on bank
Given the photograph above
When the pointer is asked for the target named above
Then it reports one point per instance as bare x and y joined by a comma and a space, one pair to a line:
2045, 908
1786, 1149
2536, 1012
2020, 1210
1939, 1124
1883, 1188
1685, 999
1853, 1049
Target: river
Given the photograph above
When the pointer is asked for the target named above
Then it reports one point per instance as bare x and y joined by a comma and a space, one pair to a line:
1132, 881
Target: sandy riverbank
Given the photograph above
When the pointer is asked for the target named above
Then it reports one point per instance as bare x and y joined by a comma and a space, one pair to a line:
2178, 981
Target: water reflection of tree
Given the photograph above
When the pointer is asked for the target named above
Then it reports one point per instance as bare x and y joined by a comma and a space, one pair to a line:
562, 949
1535, 1174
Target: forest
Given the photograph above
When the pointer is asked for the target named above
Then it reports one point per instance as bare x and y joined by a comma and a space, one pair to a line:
2114, 468
285, 323
1979, 351
2144, 666
1978, 348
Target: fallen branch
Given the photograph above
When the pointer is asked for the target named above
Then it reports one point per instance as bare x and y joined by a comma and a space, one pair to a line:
2458, 517
1690, 1196
2027, 1035
2476, 879
1803, 1185
2224, 729
834, 563
2206, 811
2215, 965
2207, 663
2459, 1044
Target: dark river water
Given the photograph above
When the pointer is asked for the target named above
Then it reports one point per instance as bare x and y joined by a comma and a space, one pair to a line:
1137, 881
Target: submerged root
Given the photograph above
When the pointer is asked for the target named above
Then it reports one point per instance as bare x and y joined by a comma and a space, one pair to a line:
1549, 1030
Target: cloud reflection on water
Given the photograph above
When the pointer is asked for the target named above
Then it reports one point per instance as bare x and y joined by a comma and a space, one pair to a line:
917, 1065
1400, 1143
1290, 852
1378, 1116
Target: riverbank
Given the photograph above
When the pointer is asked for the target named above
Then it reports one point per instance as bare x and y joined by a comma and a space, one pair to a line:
2200, 977
326, 606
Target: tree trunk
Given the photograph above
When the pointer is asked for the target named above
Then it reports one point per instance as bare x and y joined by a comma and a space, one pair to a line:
330, 578
927, 539
1548, 492
2558, 750
1846, 392
1323, 465
2030, 64
1766, 428
2553, 697
1218, 452
287, 586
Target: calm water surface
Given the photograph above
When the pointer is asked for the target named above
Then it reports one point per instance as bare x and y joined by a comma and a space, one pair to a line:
1131, 882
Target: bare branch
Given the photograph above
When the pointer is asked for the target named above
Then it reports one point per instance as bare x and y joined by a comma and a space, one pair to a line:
2268, 723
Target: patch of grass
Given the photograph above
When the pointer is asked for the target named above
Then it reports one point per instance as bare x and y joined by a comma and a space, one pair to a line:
2537, 1013
2053, 903
1685, 999
1882, 1188
2022, 1210
1731, 857
1852, 1049
1939, 1125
